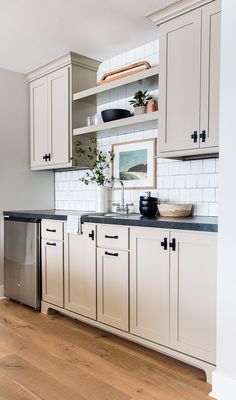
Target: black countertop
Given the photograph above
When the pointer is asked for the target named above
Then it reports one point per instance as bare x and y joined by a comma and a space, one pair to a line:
205, 224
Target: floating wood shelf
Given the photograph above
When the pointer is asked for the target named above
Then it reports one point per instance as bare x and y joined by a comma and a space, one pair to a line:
85, 94
136, 119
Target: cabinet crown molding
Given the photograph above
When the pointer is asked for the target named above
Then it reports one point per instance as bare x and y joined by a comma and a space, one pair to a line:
173, 9
70, 58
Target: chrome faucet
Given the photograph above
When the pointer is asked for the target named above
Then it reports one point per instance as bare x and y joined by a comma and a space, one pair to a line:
122, 208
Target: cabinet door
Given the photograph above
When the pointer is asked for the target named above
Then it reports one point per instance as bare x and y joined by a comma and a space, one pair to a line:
59, 128
38, 122
52, 272
210, 74
180, 61
149, 284
80, 272
193, 294
112, 288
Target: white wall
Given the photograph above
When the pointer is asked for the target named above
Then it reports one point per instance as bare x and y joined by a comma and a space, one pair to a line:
19, 187
224, 379
180, 181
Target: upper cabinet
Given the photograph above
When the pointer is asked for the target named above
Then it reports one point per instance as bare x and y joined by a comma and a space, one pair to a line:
52, 113
189, 79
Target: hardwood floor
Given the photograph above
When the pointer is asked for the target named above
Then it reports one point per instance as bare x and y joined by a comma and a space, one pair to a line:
54, 357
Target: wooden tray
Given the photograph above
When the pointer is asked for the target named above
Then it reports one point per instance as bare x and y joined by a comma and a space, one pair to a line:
125, 71
175, 210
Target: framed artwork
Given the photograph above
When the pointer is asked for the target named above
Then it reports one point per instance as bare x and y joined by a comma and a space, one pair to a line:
135, 164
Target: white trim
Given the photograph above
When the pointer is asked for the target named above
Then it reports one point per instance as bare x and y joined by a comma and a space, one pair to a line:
2, 292
173, 9
223, 386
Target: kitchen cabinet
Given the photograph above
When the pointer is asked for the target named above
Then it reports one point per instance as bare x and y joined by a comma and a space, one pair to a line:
113, 288
173, 278
80, 272
52, 113
189, 83
193, 294
149, 284
52, 251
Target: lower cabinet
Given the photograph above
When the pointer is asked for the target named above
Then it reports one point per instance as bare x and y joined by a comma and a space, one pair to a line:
113, 288
149, 284
80, 272
173, 289
52, 272
193, 294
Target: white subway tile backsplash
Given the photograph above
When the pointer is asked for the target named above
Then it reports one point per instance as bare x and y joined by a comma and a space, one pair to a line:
209, 165
203, 181
209, 195
193, 181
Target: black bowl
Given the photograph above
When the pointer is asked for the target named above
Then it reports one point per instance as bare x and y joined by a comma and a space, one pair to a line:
114, 113
148, 198
148, 211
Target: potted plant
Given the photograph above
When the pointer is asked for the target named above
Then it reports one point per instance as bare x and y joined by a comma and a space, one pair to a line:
139, 102
98, 164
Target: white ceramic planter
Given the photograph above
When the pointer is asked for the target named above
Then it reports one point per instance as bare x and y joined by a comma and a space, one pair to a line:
139, 110
102, 199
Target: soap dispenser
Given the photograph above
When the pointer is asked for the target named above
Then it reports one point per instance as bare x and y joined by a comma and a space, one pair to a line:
148, 205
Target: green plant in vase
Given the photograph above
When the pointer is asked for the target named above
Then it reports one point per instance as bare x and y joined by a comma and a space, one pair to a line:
140, 101
98, 164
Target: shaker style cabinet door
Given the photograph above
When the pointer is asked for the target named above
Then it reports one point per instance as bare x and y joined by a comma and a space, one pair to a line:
113, 288
193, 294
58, 116
180, 63
52, 272
38, 122
210, 75
149, 284
80, 272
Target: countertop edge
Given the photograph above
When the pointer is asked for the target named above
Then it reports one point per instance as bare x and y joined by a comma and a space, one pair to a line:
190, 225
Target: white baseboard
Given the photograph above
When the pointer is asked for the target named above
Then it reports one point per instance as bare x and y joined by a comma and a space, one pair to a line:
223, 386
2, 292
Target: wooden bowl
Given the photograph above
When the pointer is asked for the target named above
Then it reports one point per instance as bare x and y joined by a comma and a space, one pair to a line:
175, 210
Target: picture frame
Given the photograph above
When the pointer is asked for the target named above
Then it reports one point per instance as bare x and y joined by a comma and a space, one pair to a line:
135, 164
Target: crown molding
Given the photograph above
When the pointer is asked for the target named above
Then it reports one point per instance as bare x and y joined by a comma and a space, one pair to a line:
67, 59
173, 9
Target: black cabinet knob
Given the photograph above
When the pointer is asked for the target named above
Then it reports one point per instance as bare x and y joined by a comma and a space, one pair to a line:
194, 136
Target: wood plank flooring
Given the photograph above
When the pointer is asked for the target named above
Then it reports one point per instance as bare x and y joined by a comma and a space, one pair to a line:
54, 357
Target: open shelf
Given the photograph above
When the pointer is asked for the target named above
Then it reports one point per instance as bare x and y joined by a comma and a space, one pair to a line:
151, 72
118, 123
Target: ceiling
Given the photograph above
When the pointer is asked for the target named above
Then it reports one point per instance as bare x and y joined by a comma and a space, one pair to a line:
33, 32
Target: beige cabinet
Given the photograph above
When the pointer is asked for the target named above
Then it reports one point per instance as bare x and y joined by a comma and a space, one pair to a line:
49, 115
149, 284
80, 272
193, 294
173, 289
38, 121
189, 83
52, 272
113, 288
52, 112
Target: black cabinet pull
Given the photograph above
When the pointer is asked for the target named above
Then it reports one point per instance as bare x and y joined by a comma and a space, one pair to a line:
51, 230
111, 254
194, 136
173, 244
203, 136
45, 157
111, 237
50, 244
164, 244
49, 157
91, 235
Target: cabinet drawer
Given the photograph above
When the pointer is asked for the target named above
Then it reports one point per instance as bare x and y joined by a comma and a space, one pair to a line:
52, 229
113, 237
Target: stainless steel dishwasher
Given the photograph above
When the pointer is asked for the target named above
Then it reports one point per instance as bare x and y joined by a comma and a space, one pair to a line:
22, 260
